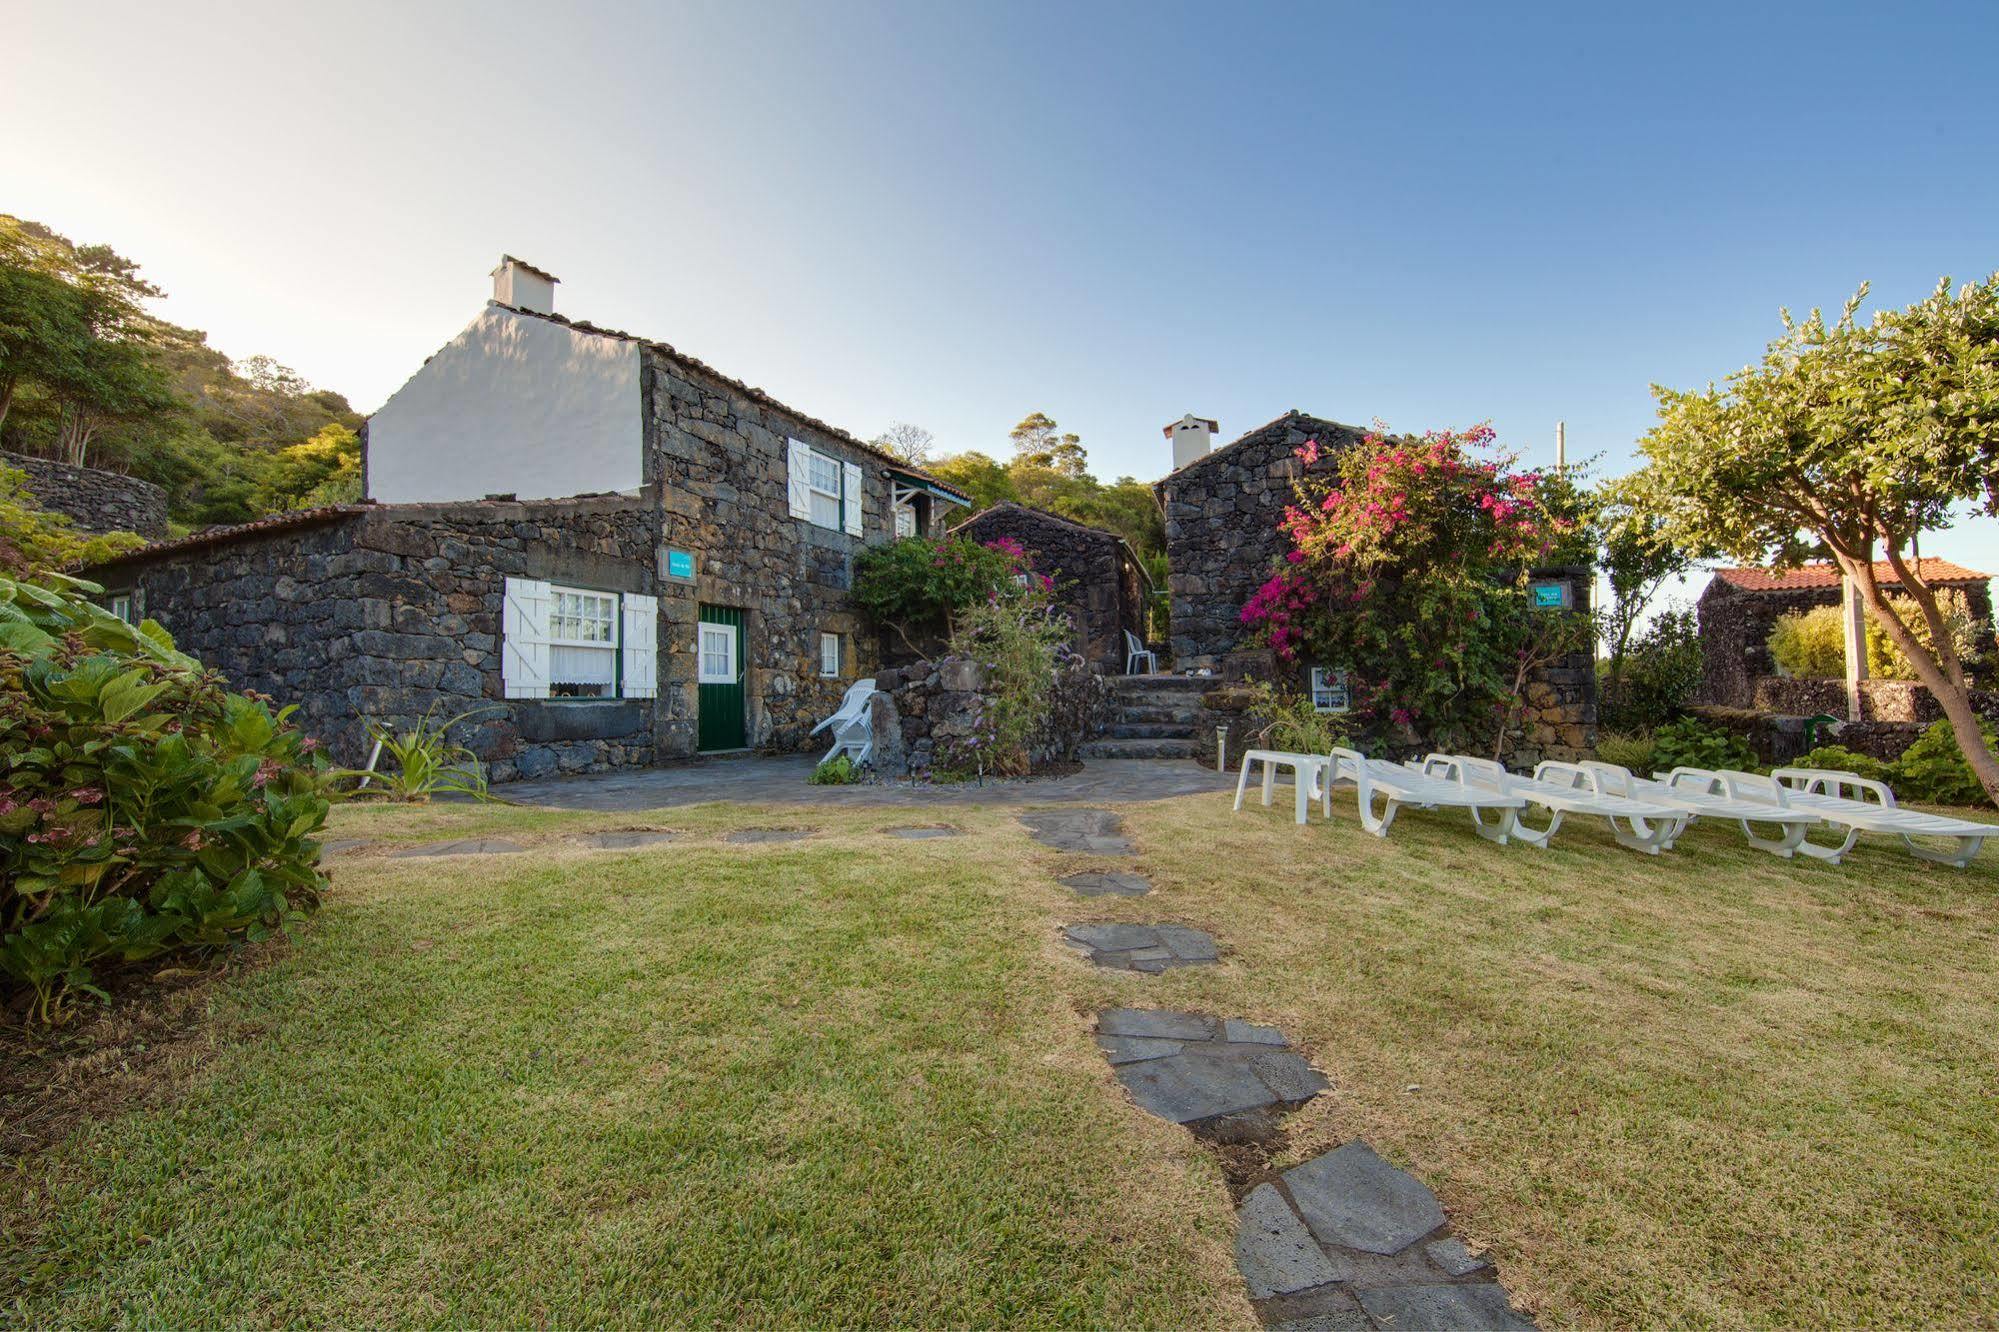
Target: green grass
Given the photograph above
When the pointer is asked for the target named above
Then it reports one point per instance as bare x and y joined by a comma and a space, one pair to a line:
850, 1080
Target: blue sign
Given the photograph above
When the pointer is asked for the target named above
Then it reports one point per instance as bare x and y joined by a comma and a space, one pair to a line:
680, 564
1551, 596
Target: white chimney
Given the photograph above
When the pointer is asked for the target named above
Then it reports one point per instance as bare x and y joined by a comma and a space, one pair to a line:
1192, 437
524, 286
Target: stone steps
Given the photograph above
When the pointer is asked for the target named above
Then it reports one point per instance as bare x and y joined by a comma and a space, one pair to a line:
1145, 730
1156, 748
1161, 714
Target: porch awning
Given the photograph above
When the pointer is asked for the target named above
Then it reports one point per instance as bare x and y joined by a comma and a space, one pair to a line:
908, 484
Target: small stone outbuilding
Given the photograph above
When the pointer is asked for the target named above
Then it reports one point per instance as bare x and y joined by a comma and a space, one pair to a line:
1741, 605
1098, 578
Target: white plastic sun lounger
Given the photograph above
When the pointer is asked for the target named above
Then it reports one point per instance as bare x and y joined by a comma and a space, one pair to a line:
1820, 791
1700, 795
1305, 769
1397, 786
1563, 789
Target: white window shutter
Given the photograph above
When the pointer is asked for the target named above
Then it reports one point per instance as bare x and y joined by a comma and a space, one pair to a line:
641, 649
798, 478
524, 639
850, 489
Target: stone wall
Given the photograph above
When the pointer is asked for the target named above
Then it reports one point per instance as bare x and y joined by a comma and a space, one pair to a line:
717, 455
1735, 631
1222, 540
393, 612
919, 709
96, 501
1097, 580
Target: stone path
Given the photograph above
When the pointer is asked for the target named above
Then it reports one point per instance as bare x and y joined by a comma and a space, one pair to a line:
744, 836
1148, 948
754, 779
464, 846
1092, 831
919, 834
1099, 883
1349, 1241
1225, 1079
626, 839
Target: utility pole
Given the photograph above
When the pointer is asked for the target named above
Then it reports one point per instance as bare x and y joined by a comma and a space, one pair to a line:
1561, 445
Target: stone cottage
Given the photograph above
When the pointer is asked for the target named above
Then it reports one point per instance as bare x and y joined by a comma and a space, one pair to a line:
1098, 579
1741, 605
625, 554
1222, 508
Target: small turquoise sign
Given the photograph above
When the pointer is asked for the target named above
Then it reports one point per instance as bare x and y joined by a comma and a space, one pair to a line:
1551, 596
680, 564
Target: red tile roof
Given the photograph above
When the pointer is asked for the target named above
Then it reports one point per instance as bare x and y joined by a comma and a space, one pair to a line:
219, 536
1812, 577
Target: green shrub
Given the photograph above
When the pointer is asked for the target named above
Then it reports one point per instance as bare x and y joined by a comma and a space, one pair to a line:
1838, 758
1019, 642
1934, 770
917, 586
1633, 751
1810, 644
1693, 743
144, 809
1291, 724
1659, 673
835, 771
423, 761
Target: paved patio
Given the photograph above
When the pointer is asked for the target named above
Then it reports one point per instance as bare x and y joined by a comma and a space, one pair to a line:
779, 781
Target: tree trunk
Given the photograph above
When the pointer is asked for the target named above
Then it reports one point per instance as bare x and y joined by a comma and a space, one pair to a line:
6, 399
1952, 695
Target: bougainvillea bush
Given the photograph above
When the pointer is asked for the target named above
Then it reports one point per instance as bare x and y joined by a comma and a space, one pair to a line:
144, 808
1408, 567
917, 587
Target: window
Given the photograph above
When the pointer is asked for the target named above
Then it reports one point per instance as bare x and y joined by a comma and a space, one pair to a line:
905, 519
582, 644
718, 654
1329, 690
829, 655
823, 480
822, 489
121, 606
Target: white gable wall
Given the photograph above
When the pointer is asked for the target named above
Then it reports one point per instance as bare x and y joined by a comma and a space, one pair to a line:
512, 405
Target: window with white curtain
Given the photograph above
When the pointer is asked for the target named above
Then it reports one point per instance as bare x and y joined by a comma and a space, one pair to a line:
583, 643
823, 478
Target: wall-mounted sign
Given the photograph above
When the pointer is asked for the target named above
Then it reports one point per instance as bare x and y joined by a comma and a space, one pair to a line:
1329, 690
680, 564
1551, 595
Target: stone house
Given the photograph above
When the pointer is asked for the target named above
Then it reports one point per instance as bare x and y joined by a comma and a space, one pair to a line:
625, 555
1222, 507
1741, 605
1098, 579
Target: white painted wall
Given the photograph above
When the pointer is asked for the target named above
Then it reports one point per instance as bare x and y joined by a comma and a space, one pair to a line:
512, 405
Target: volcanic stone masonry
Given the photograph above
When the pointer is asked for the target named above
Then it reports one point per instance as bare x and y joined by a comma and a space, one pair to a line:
96, 501
1097, 578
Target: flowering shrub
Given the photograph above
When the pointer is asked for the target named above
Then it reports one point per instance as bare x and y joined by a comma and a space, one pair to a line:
144, 809
917, 586
1021, 643
1408, 567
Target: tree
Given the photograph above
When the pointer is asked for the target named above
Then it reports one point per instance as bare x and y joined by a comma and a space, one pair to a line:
1638, 555
1851, 438
906, 443
1037, 442
979, 476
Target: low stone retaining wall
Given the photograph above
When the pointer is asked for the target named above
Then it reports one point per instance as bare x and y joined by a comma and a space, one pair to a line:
95, 500
920, 708
1779, 739
1880, 700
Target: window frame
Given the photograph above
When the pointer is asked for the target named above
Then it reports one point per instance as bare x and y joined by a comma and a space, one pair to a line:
729, 632
1324, 684
130, 612
814, 459
828, 638
614, 688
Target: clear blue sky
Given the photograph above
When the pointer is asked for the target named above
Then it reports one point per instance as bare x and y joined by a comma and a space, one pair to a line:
952, 215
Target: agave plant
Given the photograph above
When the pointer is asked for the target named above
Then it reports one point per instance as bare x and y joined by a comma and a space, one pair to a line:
425, 760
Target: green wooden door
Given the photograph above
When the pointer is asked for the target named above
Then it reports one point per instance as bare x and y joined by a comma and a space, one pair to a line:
719, 684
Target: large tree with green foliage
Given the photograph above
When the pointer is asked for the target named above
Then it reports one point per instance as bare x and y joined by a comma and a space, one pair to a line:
1852, 438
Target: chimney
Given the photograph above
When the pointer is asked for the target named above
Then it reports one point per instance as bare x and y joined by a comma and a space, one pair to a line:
524, 286
1192, 437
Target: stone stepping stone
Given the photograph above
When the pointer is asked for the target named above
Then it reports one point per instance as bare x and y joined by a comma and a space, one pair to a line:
921, 834
1147, 948
758, 835
1093, 831
464, 846
1101, 883
1347, 1240
344, 846
624, 839
1222, 1078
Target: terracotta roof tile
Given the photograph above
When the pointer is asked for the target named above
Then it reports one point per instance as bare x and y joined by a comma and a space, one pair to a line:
217, 536
1812, 577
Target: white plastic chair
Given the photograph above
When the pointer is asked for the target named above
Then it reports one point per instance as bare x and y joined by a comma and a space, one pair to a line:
1807, 789
1136, 651
1563, 789
1701, 795
1305, 778
853, 726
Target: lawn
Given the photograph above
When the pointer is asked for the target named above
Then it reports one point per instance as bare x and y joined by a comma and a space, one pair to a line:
849, 1080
